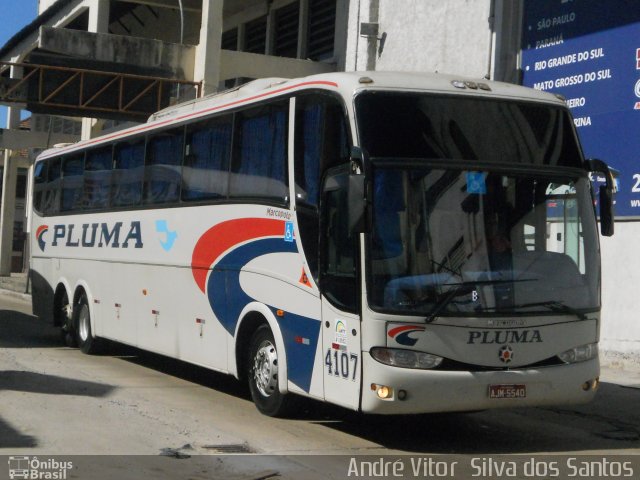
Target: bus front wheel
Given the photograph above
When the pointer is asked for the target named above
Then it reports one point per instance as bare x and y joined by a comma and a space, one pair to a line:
84, 336
262, 373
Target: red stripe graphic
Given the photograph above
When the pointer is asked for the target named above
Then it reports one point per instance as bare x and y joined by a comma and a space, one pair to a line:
220, 238
41, 228
395, 331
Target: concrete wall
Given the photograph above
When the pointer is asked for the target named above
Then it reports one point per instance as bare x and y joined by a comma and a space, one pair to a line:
452, 36
251, 65
143, 52
620, 334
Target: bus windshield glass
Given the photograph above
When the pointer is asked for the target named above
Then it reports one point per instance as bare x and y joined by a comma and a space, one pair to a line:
454, 241
418, 125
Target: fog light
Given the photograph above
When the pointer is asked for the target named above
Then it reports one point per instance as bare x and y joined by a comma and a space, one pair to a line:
402, 394
384, 392
586, 386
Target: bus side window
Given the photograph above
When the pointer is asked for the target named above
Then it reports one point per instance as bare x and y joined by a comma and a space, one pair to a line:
72, 178
206, 162
128, 166
39, 185
163, 167
51, 203
321, 142
97, 178
259, 166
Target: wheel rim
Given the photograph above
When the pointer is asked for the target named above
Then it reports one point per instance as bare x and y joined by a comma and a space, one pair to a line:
83, 323
265, 368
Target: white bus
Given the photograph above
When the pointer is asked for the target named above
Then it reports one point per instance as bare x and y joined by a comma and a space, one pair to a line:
390, 243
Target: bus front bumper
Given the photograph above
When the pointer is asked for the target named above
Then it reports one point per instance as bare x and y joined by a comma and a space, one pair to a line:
427, 391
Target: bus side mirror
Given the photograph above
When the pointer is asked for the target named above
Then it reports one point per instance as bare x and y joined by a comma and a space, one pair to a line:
357, 194
605, 196
357, 203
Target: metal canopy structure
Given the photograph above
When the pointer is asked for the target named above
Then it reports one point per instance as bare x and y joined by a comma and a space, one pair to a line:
92, 93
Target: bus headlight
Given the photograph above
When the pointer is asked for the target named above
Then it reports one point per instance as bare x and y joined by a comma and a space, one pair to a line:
580, 354
405, 358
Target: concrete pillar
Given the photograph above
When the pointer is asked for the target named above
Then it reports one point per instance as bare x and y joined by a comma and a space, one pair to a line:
207, 67
8, 208
98, 23
357, 46
506, 36
303, 30
372, 40
269, 48
99, 16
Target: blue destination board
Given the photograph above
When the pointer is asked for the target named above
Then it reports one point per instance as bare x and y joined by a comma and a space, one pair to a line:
589, 52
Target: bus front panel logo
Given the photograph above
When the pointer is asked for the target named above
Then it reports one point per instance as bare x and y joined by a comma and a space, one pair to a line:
42, 229
402, 334
505, 354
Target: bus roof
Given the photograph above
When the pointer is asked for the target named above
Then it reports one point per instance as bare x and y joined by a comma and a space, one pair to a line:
349, 82
345, 83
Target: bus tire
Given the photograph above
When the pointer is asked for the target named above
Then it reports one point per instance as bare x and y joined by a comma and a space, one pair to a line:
84, 336
262, 375
67, 330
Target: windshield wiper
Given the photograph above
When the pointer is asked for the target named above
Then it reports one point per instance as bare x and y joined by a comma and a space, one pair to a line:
447, 298
554, 306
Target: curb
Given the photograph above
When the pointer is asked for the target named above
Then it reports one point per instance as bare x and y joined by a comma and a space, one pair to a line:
11, 293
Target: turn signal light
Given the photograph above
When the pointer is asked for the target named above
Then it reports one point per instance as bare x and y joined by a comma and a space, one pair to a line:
591, 384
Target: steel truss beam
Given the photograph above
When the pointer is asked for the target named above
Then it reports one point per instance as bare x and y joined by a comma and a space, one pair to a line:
92, 93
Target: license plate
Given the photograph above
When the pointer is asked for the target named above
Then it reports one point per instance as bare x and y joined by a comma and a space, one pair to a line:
507, 391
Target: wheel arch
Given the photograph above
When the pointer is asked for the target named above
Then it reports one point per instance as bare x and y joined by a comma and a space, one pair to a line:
251, 317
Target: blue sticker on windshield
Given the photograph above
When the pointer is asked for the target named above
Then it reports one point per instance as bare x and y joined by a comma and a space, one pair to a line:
476, 183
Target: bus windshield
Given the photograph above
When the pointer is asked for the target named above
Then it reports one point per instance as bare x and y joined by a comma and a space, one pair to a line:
452, 236
451, 241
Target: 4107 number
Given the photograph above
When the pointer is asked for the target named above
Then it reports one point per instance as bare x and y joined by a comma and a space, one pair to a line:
341, 364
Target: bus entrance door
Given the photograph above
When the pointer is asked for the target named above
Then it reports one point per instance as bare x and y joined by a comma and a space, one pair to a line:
341, 352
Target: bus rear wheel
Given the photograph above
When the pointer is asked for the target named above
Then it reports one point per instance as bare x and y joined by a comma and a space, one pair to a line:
84, 336
262, 373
